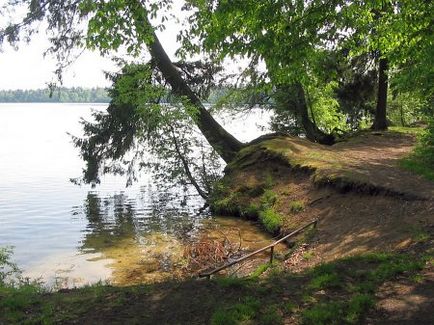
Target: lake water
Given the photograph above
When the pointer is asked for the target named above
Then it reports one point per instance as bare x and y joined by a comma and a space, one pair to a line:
71, 235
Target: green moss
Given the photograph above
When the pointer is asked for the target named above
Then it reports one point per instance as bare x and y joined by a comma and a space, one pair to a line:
271, 220
259, 270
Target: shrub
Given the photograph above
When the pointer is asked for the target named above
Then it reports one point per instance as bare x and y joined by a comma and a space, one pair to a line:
421, 161
271, 220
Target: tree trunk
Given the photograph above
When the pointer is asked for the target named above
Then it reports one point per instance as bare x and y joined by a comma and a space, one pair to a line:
313, 133
223, 142
380, 120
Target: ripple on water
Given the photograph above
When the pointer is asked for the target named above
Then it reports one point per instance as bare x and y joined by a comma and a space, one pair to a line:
73, 235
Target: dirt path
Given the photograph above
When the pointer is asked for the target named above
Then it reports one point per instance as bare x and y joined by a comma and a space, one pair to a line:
375, 156
370, 161
405, 302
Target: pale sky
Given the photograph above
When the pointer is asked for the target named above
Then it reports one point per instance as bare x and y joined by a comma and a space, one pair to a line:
28, 69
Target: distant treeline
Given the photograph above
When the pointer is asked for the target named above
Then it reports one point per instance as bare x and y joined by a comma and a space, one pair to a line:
59, 95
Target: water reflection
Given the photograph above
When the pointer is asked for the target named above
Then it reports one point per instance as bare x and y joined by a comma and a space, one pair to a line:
143, 239
64, 233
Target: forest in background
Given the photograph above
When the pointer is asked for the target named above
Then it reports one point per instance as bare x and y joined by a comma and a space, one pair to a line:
60, 95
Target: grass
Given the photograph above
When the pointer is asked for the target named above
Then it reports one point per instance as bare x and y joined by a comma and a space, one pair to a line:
271, 220
308, 255
296, 206
349, 285
407, 130
356, 278
421, 160
417, 163
260, 270
419, 234
240, 312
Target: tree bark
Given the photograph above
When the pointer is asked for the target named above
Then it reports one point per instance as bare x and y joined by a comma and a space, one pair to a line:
380, 120
313, 133
222, 141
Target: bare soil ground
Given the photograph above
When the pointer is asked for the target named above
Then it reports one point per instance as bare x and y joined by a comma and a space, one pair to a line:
405, 302
367, 203
364, 200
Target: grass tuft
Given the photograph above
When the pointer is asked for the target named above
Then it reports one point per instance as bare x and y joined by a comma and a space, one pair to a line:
271, 220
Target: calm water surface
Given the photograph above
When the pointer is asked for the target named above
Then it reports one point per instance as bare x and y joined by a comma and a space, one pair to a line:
71, 235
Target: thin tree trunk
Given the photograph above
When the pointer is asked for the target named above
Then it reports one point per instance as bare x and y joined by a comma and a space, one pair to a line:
402, 115
380, 120
222, 141
313, 133
186, 166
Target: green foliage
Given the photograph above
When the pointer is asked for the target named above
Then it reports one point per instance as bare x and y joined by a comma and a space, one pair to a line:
418, 131
327, 47
397, 31
268, 199
139, 132
358, 306
359, 276
404, 109
324, 313
324, 276
17, 294
259, 270
237, 313
421, 161
308, 255
339, 312
60, 95
325, 109
9, 271
228, 205
325, 281
296, 206
252, 211
271, 220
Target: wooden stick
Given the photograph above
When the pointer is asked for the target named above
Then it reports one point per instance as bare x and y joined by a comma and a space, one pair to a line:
295, 232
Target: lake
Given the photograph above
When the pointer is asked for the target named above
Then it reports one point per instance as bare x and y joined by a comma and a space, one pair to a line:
69, 235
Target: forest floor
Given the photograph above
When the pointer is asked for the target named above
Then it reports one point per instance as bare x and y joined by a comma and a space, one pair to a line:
370, 259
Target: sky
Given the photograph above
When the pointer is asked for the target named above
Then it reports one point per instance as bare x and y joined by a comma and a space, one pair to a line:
27, 68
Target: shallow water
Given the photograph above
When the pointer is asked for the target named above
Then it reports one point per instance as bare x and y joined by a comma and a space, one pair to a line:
70, 235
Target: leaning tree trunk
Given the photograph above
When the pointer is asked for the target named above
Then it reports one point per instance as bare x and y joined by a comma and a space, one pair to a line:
380, 120
313, 133
222, 141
